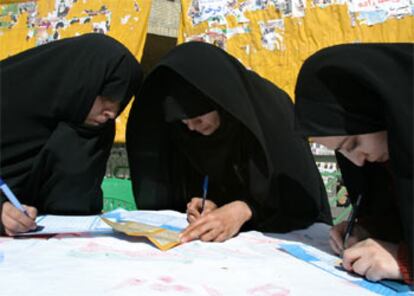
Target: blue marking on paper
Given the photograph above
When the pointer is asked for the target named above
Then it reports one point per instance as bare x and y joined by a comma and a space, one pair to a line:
376, 287
115, 215
398, 286
385, 287
172, 228
1, 257
299, 252
153, 218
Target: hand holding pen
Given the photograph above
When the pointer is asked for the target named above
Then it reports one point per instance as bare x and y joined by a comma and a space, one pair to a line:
368, 257
205, 190
210, 223
351, 221
347, 233
15, 217
197, 206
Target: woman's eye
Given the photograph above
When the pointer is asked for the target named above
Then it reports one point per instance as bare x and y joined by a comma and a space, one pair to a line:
351, 146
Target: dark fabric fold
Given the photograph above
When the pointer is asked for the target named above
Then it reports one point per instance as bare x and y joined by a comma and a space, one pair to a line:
356, 89
259, 160
48, 157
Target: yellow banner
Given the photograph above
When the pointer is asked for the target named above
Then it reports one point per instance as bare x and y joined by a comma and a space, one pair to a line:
25, 24
274, 37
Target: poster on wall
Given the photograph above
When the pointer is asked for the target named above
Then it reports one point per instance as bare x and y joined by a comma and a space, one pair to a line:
26, 24
274, 37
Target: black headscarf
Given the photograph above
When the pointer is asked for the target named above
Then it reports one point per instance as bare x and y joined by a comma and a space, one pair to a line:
181, 103
282, 184
363, 88
46, 95
211, 155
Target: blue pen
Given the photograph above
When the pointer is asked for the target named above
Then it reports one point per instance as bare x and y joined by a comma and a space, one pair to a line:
352, 221
11, 197
16, 203
205, 189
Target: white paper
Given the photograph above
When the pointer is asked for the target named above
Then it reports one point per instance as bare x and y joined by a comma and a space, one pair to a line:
53, 224
249, 264
164, 219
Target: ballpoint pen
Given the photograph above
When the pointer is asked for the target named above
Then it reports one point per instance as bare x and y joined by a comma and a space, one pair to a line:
351, 221
205, 189
15, 202
11, 197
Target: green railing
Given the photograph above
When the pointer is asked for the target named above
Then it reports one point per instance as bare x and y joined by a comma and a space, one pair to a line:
118, 194
118, 191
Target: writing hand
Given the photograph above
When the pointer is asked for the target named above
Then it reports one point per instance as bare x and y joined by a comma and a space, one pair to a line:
15, 221
374, 259
337, 234
219, 224
194, 208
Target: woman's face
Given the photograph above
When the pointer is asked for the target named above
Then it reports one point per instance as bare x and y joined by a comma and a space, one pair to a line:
205, 124
371, 147
102, 110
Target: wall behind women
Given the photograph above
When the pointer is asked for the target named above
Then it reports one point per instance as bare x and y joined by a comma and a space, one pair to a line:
25, 24
274, 37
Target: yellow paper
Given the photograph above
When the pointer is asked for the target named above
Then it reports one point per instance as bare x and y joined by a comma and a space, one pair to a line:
163, 239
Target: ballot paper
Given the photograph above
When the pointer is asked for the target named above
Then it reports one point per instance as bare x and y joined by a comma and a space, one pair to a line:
114, 265
164, 239
53, 224
332, 265
160, 227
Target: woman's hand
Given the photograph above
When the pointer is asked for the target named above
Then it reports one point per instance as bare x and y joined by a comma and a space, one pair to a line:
337, 234
15, 221
194, 208
374, 259
219, 224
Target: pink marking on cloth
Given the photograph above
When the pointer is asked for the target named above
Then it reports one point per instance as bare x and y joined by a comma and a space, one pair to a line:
129, 283
211, 291
166, 279
165, 288
135, 282
95, 248
269, 290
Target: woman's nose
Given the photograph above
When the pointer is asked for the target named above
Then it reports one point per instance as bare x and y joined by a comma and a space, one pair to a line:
192, 124
358, 158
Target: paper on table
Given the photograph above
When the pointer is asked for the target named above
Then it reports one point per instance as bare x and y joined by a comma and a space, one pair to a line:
316, 235
163, 238
160, 227
331, 264
164, 219
194, 268
53, 224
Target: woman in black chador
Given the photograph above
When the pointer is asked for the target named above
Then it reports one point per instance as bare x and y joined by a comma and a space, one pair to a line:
202, 113
358, 100
58, 102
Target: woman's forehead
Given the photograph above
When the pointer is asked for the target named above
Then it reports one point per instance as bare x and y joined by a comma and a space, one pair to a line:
332, 142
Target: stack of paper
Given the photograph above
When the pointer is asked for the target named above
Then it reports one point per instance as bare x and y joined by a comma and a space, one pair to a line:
164, 239
160, 227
